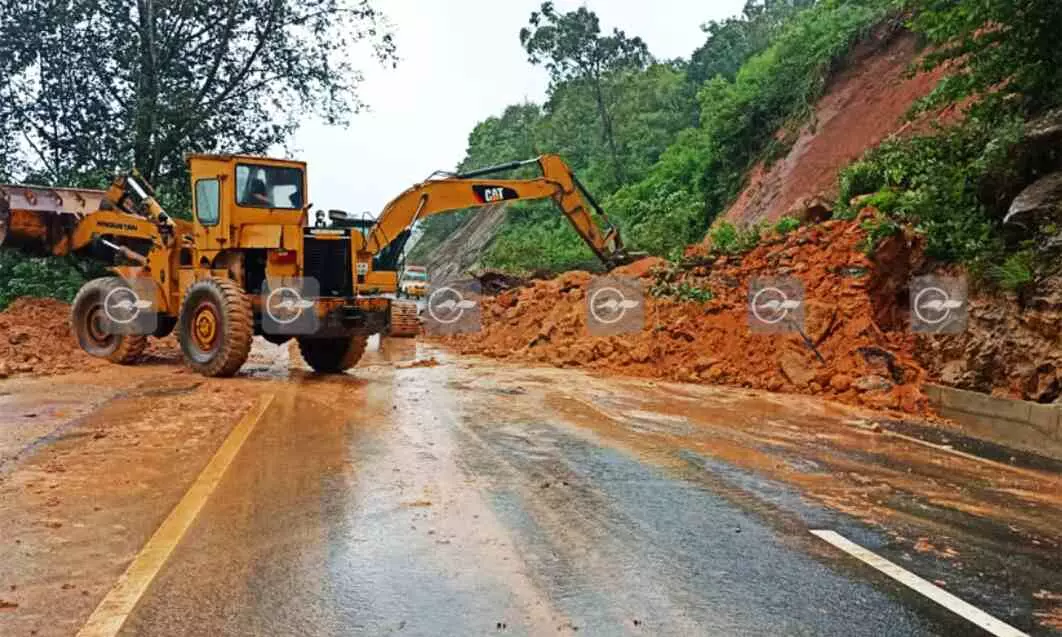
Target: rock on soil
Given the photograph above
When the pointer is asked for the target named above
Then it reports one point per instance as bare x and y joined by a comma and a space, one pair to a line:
36, 339
711, 342
1011, 347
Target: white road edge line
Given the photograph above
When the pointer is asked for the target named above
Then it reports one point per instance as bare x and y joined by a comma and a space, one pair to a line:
110, 615
933, 592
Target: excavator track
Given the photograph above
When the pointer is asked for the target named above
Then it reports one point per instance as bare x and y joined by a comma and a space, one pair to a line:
404, 320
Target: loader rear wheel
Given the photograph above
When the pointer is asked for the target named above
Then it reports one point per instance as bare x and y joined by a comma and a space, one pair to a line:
215, 327
333, 355
88, 320
404, 320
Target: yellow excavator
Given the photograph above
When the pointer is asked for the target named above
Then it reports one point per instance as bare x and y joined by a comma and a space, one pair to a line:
385, 239
208, 278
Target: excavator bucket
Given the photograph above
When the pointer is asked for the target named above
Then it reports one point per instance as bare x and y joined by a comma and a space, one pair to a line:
39, 220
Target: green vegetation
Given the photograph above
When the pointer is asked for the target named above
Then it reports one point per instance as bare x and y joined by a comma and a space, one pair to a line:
684, 291
878, 228
667, 284
139, 85
955, 184
729, 239
935, 182
665, 146
786, 225
1016, 272
45, 277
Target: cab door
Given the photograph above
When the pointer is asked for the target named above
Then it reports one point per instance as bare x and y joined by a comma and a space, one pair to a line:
211, 187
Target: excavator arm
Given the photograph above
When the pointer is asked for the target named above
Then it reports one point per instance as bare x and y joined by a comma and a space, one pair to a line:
452, 192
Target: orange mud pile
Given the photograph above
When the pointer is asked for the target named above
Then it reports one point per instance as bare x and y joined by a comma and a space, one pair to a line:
36, 339
711, 342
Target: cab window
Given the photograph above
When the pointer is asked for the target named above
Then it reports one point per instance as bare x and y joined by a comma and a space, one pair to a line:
269, 187
207, 201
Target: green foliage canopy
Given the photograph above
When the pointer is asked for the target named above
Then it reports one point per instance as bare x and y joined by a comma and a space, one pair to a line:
88, 87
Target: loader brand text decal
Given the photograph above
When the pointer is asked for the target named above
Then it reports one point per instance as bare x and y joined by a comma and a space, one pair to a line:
490, 194
131, 227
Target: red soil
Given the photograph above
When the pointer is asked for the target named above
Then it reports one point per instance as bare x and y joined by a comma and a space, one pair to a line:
712, 342
36, 339
864, 104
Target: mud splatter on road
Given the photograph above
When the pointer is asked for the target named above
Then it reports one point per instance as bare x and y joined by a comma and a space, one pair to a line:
473, 494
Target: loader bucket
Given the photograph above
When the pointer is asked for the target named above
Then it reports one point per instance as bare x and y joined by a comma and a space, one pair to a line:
40, 220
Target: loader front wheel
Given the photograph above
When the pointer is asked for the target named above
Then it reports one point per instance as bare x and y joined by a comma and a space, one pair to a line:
88, 319
215, 327
333, 355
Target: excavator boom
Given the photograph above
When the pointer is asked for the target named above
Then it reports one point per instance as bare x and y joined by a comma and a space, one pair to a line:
476, 188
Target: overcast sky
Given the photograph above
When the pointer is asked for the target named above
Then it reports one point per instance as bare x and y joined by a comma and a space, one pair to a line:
461, 62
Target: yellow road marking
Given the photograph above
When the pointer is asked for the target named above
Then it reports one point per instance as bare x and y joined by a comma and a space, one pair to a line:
116, 607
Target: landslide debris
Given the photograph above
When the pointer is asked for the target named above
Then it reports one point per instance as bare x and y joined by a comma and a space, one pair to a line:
1010, 346
36, 339
848, 296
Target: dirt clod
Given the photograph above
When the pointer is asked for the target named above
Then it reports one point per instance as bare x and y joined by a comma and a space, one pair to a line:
40, 341
711, 341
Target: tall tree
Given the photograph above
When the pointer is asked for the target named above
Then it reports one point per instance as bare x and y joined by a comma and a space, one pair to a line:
90, 86
731, 42
571, 47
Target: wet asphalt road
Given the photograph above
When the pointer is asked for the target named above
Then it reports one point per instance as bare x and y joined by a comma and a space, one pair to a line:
471, 499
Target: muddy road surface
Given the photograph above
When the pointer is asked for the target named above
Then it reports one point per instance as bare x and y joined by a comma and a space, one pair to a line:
470, 497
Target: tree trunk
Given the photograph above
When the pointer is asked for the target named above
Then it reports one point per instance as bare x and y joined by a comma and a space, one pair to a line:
606, 131
147, 94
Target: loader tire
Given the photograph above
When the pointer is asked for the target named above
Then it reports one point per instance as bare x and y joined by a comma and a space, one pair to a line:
87, 319
333, 355
404, 320
215, 327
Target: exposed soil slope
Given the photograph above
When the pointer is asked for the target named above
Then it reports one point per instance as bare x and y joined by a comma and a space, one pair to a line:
462, 249
864, 104
711, 342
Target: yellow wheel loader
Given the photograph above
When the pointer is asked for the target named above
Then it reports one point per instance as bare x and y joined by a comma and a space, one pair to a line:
206, 278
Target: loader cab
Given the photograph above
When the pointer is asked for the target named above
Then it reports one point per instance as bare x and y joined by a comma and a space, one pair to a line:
245, 203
